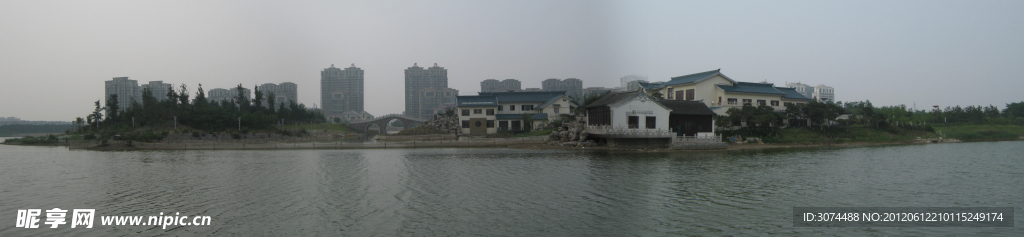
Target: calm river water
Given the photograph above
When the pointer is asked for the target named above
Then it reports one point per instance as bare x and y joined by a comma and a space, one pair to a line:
519, 192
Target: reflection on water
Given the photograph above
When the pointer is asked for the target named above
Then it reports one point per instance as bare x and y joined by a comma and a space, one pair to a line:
506, 191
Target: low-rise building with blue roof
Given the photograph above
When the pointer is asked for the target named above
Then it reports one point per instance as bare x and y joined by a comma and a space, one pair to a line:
491, 112
719, 92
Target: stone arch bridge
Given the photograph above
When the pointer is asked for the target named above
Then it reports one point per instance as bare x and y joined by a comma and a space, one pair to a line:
382, 122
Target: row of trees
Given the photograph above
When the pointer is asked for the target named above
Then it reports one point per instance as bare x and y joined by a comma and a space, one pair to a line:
866, 113
258, 113
821, 114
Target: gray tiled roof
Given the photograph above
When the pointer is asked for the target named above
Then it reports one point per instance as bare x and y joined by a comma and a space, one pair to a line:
540, 116
471, 100
650, 85
686, 107
552, 101
612, 98
749, 87
791, 93
692, 78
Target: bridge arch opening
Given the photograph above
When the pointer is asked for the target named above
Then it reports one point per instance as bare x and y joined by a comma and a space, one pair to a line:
372, 129
393, 126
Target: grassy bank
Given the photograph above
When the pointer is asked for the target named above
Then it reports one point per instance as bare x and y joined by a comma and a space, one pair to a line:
30, 140
869, 134
984, 132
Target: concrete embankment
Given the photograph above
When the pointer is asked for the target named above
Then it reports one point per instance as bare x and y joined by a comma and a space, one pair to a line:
311, 144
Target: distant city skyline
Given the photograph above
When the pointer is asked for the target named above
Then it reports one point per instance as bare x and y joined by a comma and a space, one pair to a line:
942, 53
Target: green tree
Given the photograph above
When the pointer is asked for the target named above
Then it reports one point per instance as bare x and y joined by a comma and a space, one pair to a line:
200, 96
147, 98
112, 107
270, 101
1014, 110
172, 96
96, 116
240, 99
183, 95
257, 98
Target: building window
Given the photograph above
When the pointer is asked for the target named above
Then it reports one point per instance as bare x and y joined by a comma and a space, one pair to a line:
517, 125
651, 122
527, 107
502, 125
761, 102
556, 107
500, 107
689, 94
670, 90
746, 101
465, 123
478, 111
732, 101
775, 103
511, 107
490, 111
465, 112
490, 123
634, 122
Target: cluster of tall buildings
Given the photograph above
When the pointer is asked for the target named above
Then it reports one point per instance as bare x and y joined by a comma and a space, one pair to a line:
820, 92
16, 120
573, 87
427, 92
129, 90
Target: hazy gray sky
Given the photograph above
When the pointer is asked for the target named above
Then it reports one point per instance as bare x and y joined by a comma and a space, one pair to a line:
55, 55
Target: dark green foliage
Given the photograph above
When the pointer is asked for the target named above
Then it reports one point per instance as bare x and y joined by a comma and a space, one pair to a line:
1014, 110
760, 117
29, 140
15, 129
199, 114
112, 107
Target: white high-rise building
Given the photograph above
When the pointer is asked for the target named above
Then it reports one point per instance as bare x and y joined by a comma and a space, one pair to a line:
283, 93
126, 90
803, 89
158, 88
824, 93
626, 79
341, 90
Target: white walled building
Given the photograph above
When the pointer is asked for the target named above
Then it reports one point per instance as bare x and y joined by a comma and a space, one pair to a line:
218, 94
491, 112
824, 93
285, 92
126, 90
720, 92
158, 88
627, 79
801, 88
